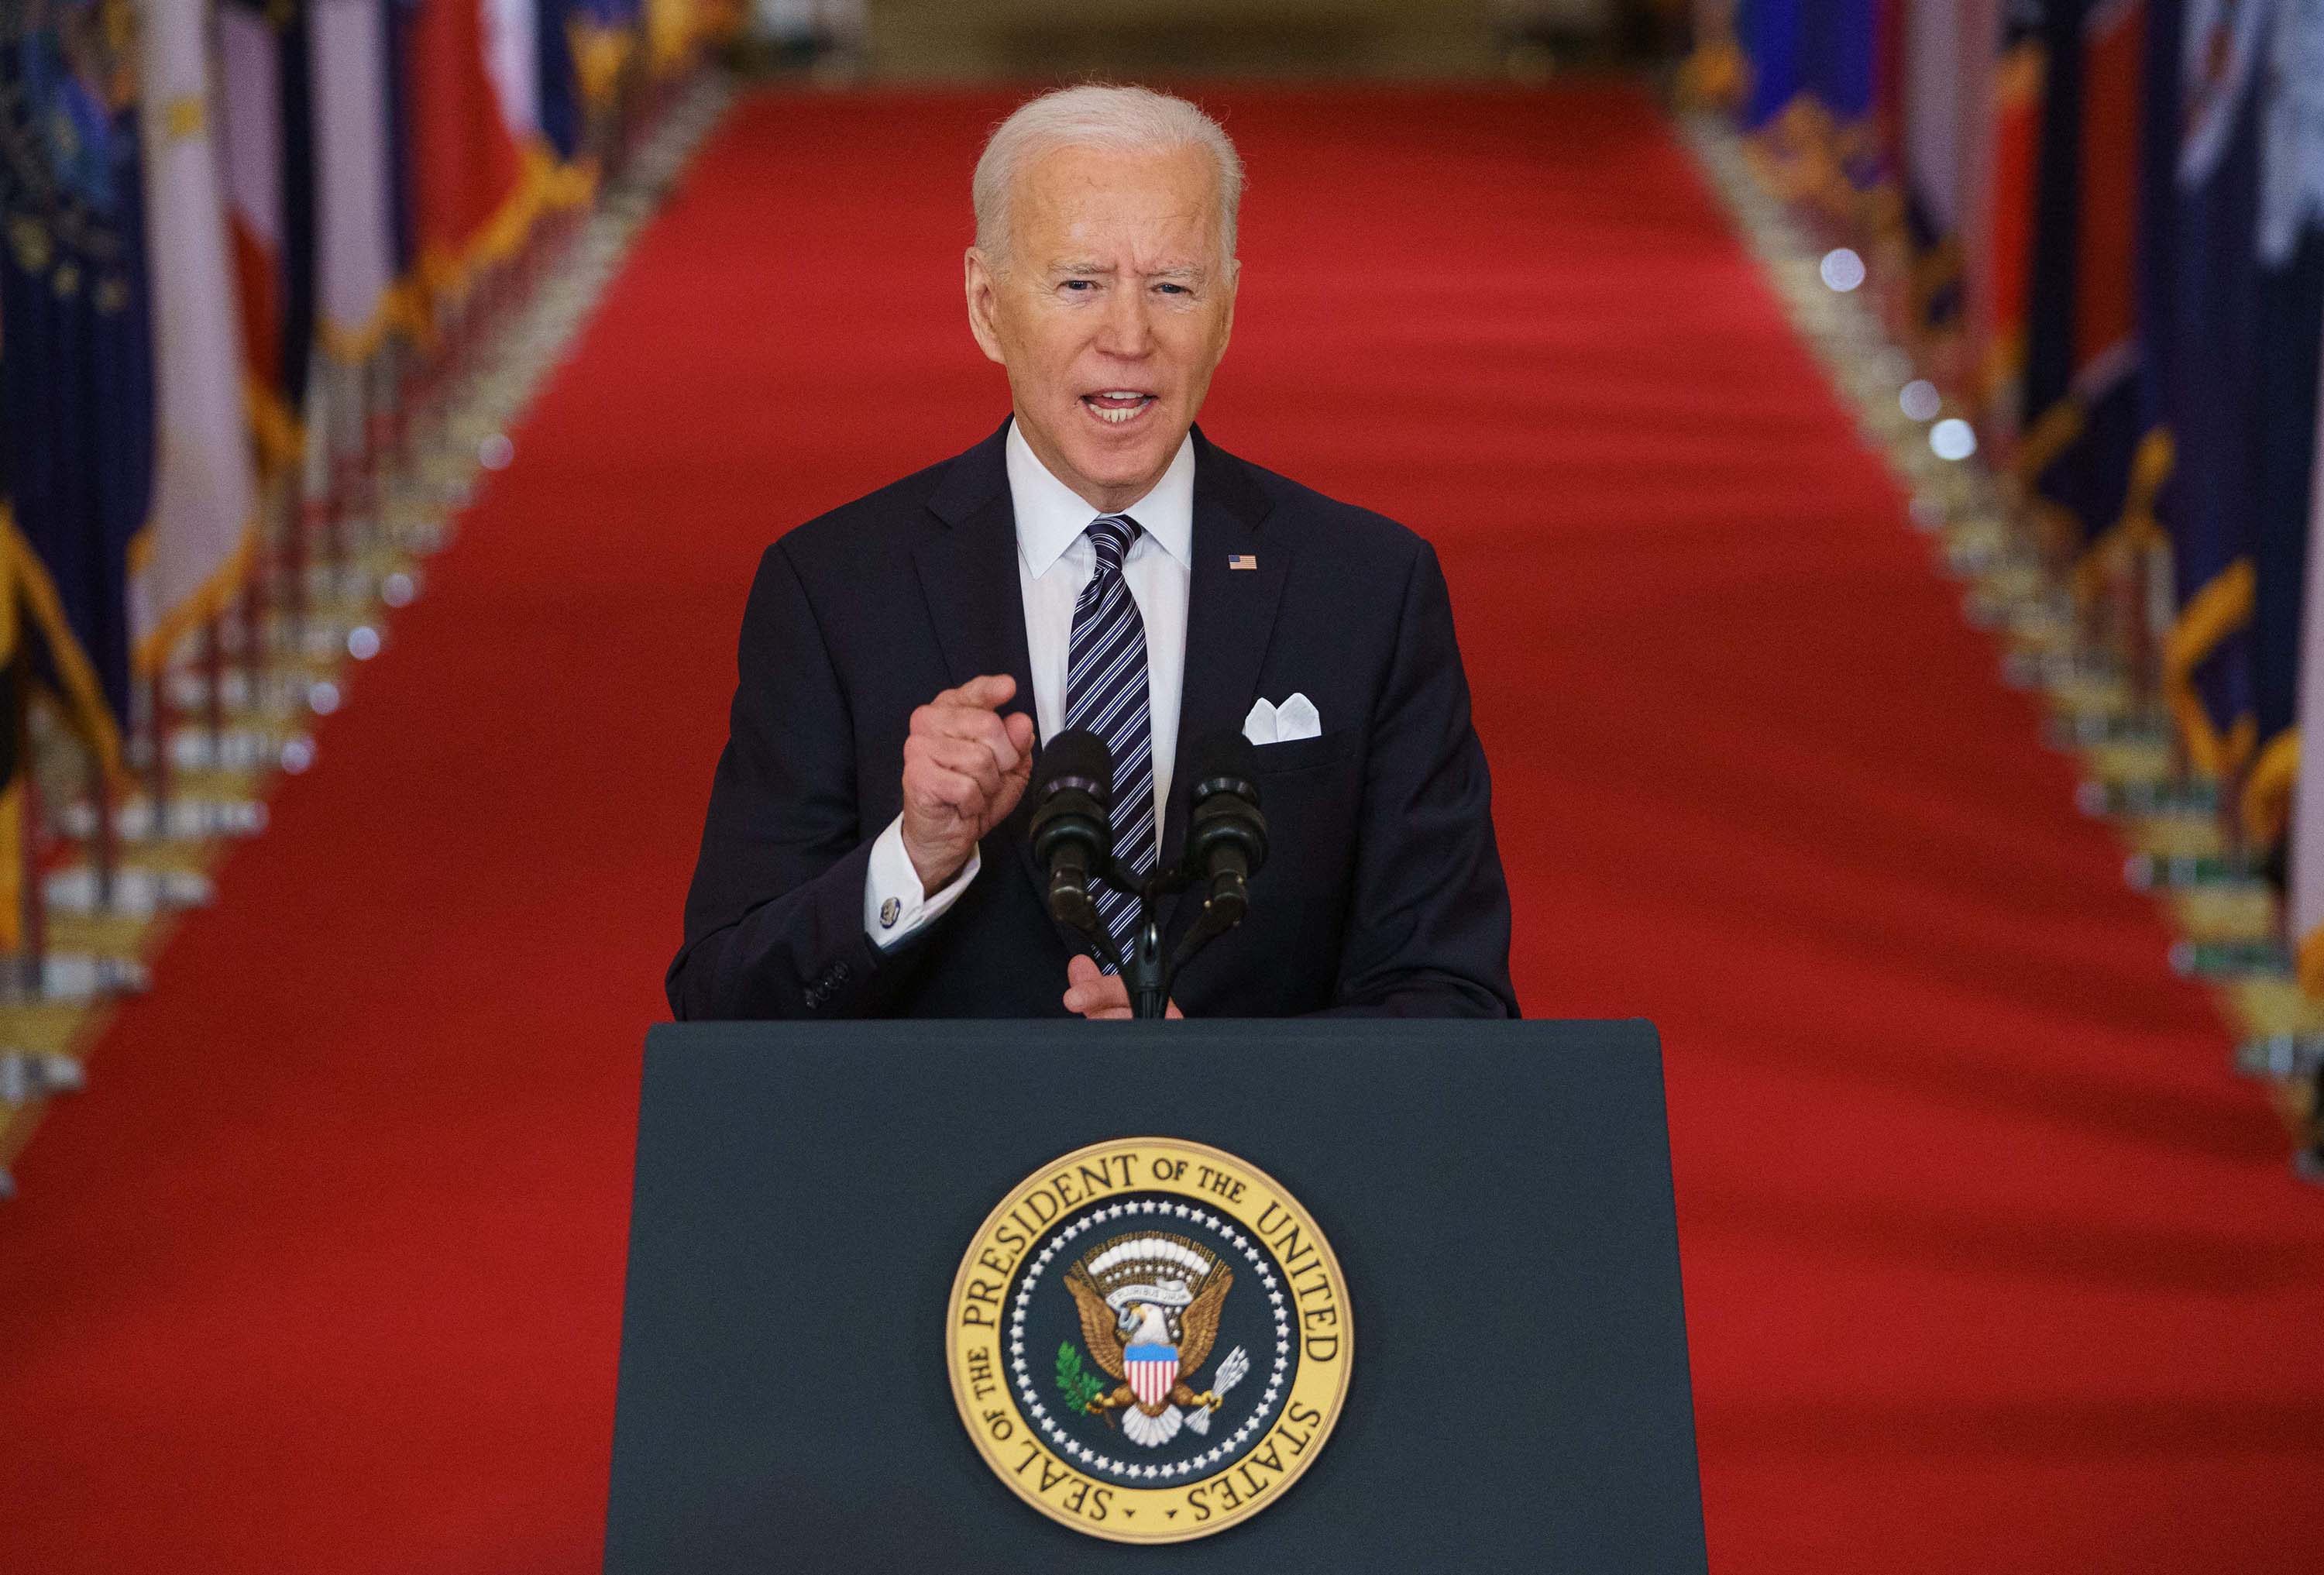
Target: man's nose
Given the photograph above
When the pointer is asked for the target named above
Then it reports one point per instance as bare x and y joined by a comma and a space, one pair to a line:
1128, 330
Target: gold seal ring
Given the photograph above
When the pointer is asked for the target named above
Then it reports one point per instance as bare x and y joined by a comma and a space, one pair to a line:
1149, 1340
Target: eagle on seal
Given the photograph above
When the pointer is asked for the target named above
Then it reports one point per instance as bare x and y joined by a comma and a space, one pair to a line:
1150, 1312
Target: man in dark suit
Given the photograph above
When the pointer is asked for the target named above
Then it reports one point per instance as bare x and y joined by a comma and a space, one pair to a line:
865, 852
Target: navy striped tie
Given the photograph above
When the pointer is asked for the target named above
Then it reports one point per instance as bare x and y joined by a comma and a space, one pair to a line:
1105, 692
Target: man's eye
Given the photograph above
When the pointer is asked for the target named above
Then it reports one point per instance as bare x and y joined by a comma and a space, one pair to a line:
1174, 289
1081, 284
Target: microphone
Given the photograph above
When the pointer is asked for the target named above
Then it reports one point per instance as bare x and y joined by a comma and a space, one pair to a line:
1073, 821
1226, 835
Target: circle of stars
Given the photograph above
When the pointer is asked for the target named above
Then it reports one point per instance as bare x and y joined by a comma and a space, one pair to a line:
1126, 1470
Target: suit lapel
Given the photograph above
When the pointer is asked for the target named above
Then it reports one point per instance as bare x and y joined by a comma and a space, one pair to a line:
969, 576
1229, 617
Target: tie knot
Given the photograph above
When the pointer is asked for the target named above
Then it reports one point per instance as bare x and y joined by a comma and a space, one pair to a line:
1112, 535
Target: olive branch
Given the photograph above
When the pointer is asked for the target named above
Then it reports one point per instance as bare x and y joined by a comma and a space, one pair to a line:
1076, 1382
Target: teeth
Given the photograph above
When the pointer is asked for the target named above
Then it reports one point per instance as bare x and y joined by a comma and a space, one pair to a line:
1119, 416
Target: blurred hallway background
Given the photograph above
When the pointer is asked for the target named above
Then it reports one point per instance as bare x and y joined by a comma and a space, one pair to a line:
1991, 1261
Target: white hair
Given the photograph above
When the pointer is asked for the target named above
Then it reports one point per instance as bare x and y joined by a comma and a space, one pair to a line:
1096, 116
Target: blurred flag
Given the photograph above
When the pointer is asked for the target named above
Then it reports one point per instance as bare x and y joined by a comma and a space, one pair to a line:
2000, 251
673, 27
1711, 76
2304, 871
1945, 96
1769, 33
512, 59
466, 173
604, 35
13, 760
1839, 51
2136, 530
2082, 408
76, 368
560, 115
1813, 69
269, 143
2212, 397
355, 238
2290, 327
523, 47
203, 522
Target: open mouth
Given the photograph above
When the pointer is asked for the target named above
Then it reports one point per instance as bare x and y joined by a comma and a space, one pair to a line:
1118, 407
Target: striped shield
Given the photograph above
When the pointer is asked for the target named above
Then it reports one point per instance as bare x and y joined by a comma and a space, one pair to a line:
1152, 1369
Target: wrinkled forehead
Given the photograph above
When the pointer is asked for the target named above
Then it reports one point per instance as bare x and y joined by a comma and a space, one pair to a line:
1162, 204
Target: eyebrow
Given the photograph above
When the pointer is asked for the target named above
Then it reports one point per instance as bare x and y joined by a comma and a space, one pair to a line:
1082, 270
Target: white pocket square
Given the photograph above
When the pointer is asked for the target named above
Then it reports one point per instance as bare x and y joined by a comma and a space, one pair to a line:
1296, 718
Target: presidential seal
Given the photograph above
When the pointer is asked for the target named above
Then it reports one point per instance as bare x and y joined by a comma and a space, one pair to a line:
1148, 1339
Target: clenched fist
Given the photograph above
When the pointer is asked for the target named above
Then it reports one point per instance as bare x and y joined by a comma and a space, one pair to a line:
965, 766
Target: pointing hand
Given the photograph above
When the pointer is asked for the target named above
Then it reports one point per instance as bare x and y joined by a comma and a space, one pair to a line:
965, 766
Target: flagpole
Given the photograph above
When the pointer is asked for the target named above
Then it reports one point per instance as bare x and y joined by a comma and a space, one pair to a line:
214, 687
31, 900
103, 852
251, 603
157, 722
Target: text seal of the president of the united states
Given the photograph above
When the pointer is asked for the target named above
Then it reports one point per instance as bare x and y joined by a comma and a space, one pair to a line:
1149, 1340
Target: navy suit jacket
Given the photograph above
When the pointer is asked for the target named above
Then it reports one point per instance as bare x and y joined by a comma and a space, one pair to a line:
1382, 890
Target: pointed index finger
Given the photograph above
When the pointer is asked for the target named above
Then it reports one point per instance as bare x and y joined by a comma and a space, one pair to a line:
986, 692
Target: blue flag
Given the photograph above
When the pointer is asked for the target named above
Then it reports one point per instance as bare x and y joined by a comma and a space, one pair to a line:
560, 81
2212, 396
76, 361
2078, 453
1837, 45
1770, 35
2052, 416
2290, 252
1809, 108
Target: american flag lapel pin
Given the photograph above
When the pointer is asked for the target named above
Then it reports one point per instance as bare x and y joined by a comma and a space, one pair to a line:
1242, 560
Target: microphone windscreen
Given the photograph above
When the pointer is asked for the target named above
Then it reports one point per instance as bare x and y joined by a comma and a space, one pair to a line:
1075, 753
1225, 754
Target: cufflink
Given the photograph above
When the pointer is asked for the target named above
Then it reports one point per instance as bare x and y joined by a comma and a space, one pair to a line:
889, 911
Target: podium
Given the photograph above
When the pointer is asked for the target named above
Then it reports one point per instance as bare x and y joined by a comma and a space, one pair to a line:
813, 1275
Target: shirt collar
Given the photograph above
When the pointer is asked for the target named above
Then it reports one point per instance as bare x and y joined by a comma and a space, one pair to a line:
1051, 516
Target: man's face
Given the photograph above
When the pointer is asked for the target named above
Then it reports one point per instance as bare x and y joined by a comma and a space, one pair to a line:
1110, 311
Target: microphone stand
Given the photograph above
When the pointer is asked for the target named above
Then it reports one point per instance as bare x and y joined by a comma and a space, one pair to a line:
1147, 971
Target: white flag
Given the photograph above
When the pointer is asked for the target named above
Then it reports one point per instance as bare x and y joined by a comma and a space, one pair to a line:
513, 60
2304, 879
203, 522
1938, 53
2291, 156
355, 237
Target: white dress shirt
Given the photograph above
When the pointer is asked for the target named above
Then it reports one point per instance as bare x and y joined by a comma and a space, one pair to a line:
1054, 559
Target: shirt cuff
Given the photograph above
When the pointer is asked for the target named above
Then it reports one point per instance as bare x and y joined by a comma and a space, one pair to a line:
894, 909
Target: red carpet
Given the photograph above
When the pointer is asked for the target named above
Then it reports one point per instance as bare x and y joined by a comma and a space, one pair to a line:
1990, 1264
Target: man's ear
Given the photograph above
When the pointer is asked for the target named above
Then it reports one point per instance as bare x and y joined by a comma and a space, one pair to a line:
1234, 283
983, 321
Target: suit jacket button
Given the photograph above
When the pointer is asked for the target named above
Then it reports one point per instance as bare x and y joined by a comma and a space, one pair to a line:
838, 973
